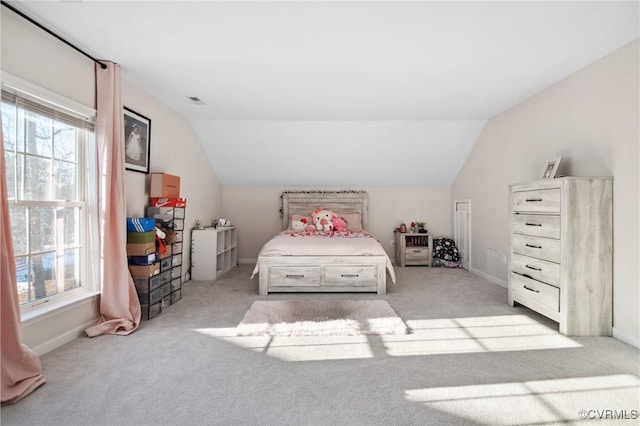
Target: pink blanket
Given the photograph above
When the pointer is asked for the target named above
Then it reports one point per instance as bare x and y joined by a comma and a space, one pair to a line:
347, 243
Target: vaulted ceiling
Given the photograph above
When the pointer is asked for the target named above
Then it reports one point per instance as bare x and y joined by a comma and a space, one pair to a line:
275, 76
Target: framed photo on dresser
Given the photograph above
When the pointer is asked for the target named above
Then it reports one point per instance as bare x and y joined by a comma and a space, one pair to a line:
551, 169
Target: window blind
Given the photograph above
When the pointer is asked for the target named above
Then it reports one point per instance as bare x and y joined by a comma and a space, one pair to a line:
47, 109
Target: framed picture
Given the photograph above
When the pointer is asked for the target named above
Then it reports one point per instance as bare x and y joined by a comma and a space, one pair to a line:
551, 169
137, 141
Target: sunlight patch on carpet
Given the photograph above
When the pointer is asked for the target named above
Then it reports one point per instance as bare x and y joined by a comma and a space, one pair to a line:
498, 333
555, 401
320, 318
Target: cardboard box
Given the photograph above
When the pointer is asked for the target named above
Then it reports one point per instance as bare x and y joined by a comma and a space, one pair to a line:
141, 237
164, 185
144, 271
141, 249
143, 260
167, 202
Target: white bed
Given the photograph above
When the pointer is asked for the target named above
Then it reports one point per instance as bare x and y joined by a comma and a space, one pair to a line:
340, 262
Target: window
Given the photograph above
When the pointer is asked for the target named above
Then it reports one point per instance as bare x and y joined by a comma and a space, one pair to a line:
46, 154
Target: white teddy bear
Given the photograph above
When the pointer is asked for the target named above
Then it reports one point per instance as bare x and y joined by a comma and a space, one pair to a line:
298, 226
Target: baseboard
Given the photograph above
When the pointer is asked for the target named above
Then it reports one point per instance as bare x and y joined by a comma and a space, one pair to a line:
247, 261
488, 277
632, 340
63, 339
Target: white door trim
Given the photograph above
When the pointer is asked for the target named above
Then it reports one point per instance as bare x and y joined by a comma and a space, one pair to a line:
455, 228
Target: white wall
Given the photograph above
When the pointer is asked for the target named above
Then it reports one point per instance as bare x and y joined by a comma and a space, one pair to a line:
175, 149
591, 120
382, 153
35, 56
256, 213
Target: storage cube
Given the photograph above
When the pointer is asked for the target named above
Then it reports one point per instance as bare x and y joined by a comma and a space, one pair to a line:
148, 284
176, 296
150, 311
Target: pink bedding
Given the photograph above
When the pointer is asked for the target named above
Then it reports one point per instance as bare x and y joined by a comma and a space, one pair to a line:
344, 243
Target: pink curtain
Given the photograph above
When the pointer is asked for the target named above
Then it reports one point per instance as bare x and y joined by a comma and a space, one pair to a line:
21, 369
119, 305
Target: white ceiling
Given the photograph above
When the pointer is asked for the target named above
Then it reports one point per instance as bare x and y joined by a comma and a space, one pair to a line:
341, 61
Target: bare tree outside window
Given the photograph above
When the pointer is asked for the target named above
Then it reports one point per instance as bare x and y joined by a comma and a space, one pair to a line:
43, 173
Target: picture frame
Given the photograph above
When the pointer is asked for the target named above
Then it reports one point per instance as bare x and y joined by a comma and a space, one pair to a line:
137, 141
551, 169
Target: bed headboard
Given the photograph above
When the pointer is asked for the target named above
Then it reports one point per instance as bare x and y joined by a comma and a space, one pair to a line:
305, 202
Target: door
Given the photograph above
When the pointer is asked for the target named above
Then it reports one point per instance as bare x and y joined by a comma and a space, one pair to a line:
462, 230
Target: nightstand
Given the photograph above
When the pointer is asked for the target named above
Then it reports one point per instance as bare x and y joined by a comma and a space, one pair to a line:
413, 248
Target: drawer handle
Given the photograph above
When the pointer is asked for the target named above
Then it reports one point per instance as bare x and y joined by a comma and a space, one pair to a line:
533, 200
295, 275
530, 289
533, 267
417, 251
532, 224
350, 275
533, 246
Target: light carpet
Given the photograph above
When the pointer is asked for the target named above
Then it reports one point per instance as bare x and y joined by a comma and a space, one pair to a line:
320, 318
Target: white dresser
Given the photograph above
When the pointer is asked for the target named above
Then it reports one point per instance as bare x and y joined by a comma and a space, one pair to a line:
561, 252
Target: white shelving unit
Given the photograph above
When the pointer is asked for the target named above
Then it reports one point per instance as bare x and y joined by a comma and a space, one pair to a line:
213, 252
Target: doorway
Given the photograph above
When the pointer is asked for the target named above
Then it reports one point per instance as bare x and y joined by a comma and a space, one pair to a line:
462, 230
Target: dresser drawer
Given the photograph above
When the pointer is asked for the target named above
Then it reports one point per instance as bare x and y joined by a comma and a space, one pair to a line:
536, 295
417, 253
540, 270
540, 248
294, 276
542, 200
537, 225
352, 276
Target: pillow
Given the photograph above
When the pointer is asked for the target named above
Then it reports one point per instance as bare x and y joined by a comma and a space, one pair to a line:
298, 217
354, 220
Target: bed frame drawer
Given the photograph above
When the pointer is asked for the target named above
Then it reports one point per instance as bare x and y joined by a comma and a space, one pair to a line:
352, 276
294, 276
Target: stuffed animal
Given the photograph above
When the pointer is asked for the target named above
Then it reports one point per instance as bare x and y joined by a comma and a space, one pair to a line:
307, 226
299, 225
339, 224
322, 220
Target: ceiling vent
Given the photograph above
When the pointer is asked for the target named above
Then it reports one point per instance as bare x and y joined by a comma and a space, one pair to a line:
196, 100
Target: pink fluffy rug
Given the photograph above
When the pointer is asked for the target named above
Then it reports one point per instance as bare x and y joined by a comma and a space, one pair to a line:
320, 318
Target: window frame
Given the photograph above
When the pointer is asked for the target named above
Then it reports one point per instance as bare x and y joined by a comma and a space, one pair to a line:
87, 186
